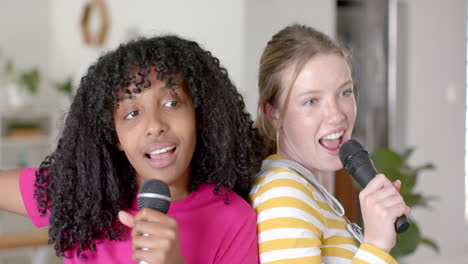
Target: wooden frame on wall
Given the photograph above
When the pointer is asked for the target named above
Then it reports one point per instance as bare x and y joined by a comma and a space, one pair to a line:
98, 38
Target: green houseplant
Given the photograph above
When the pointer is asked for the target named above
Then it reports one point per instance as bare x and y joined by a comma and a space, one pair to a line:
395, 166
28, 80
65, 87
20, 86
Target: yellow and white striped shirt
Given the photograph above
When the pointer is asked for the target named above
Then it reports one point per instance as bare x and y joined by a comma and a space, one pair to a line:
296, 226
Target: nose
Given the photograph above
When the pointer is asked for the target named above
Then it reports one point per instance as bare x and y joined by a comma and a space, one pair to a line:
334, 113
156, 125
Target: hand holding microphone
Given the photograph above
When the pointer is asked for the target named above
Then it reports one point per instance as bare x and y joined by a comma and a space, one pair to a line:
155, 237
381, 202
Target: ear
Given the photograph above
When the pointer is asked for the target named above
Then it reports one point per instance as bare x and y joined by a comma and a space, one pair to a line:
272, 114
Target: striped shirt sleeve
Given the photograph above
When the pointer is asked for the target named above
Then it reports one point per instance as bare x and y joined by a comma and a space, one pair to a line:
296, 227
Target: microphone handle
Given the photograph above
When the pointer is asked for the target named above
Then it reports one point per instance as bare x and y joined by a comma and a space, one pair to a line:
401, 224
361, 176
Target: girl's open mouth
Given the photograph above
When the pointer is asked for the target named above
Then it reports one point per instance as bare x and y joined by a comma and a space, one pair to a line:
333, 141
162, 157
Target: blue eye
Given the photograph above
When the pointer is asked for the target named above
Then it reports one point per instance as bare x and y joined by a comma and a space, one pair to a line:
132, 114
311, 101
347, 93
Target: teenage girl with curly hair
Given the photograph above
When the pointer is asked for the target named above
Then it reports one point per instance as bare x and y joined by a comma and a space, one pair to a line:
157, 108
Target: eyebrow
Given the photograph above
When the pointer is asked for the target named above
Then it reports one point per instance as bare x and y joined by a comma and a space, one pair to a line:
172, 82
341, 87
173, 87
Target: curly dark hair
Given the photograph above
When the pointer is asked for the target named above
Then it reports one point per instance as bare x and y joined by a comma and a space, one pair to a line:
87, 180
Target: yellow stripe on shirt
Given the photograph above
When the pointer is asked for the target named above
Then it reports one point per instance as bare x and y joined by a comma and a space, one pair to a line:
290, 202
288, 222
283, 243
306, 260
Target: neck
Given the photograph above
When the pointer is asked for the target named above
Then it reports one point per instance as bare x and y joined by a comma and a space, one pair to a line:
178, 193
323, 177
178, 188
286, 155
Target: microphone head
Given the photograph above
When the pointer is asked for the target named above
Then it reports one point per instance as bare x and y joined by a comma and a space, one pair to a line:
154, 194
353, 155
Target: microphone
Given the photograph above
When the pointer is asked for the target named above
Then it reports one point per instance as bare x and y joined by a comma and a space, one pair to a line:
154, 194
357, 163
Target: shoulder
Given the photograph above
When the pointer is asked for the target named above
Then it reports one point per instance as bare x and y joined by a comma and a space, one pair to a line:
28, 174
232, 223
226, 202
280, 182
26, 181
278, 173
279, 192
27, 188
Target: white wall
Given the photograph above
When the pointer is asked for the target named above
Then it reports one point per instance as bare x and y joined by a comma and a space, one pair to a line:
25, 32
216, 25
266, 17
435, 124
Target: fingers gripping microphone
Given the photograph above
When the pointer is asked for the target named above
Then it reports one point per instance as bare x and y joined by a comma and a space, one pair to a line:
154, 194
357, 163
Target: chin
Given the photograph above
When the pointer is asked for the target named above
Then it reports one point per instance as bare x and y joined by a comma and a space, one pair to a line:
334, 166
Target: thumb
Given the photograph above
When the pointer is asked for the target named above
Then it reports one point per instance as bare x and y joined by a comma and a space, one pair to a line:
126, 219
397, 184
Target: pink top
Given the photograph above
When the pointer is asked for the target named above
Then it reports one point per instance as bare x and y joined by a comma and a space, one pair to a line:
210, 231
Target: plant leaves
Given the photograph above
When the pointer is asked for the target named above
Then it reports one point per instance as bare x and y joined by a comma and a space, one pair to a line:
395, 167
385, 158
408, 181
405, 155
65, 87
407, 242
431, 243
416, 199
9, 67
427, 166
30, 80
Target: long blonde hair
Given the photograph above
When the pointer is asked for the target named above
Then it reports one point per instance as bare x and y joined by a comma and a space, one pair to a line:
293, 46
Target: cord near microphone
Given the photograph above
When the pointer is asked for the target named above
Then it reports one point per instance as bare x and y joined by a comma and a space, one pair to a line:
357, 163
154, 194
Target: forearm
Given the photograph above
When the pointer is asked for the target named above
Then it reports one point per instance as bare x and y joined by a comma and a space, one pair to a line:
10, 195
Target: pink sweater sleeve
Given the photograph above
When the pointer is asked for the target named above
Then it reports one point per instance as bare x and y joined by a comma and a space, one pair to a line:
26, 182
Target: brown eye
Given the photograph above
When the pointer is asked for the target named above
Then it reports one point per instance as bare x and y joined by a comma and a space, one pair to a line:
132, 114
173, 103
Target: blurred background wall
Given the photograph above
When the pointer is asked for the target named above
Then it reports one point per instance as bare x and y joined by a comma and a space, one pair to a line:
431, 91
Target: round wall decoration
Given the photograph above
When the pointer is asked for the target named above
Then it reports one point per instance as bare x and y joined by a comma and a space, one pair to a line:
90, 37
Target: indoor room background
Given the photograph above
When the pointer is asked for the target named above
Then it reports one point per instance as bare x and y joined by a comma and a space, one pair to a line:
410, 64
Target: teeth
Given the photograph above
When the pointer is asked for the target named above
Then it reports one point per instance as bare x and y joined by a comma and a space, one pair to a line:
160, 151
334, 136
